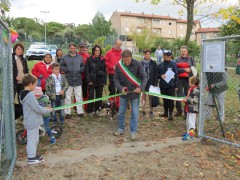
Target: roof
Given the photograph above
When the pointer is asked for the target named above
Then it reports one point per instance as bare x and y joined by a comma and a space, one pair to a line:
143, 15
185, 21
205, 30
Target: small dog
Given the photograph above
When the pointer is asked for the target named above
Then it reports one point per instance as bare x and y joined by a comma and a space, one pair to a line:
111, 107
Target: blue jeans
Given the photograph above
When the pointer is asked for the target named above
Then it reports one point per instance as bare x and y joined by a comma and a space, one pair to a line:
46, 125
134, 115
159, 60
58, 102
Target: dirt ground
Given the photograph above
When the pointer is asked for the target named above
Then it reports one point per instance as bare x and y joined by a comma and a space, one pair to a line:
88, 150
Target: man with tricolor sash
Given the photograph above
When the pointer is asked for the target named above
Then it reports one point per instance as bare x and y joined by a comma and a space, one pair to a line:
129, 78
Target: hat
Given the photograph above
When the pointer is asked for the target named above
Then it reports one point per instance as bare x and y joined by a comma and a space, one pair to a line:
167, 52
37, 91
82, 44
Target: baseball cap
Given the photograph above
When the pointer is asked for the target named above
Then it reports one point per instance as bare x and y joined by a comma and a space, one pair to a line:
81, 44
167, 52
37, 91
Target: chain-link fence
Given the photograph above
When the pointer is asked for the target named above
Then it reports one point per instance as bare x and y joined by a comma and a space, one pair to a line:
7, 123
219, 117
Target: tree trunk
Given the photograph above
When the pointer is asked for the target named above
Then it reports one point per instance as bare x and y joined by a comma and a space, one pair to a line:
190, 8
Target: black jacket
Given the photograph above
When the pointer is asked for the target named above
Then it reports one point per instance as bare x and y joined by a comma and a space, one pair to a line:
162, 69
15, 70
95, 70
153, 75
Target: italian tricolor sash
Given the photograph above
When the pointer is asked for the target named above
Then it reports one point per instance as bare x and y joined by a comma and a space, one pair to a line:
131, 77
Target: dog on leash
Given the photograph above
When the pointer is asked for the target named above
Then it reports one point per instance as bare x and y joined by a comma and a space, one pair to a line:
110, 107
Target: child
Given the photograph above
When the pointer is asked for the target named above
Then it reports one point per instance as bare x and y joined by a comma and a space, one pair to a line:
33, 113
56, 86
44, 102
191, 107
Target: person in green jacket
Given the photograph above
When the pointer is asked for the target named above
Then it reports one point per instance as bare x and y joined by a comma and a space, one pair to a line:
56, 87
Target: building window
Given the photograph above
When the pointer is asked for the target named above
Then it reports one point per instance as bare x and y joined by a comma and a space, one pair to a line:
157, 30
141, 21
203, 36
170, 23
157, 22
139, 30
126, 29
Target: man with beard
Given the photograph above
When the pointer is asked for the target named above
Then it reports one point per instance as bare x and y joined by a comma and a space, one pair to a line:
184, 63
42, 70
72, 65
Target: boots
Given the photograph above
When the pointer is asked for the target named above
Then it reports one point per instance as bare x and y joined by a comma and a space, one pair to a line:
165, 114
170, 117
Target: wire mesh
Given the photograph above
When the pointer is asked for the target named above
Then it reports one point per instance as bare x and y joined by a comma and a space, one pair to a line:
219, 117
7, 124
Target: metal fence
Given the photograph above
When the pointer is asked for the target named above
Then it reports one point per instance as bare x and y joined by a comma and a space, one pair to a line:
7, 122
219, 117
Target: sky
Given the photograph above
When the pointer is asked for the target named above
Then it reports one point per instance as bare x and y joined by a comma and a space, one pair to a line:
82, 12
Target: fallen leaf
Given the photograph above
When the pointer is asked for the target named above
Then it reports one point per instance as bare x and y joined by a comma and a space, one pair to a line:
185, 164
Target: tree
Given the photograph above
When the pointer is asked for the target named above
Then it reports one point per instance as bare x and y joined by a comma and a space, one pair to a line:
100, 26
54, 28
29, 25
4, 6
143, 39
191, 7
85, 32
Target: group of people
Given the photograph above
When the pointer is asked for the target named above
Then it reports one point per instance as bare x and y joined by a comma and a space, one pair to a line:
86, 75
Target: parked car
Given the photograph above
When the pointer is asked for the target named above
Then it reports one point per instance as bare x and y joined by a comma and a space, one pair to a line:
52, 50
36, 52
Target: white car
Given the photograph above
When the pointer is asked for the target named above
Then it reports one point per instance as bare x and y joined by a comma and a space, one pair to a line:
36, 52
52, 50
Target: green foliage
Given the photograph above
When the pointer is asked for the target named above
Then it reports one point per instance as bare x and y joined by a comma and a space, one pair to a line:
5, 6
85, 32
163, 43
232, 27
100, 41
100, 26
144, 39
29, 25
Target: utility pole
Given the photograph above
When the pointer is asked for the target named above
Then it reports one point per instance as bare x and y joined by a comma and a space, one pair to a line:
45, 12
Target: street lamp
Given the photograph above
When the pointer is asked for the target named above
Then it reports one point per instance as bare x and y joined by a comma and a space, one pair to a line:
45, 12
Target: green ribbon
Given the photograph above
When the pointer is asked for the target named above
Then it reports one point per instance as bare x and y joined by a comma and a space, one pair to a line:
86, 102
165, 96
111, 96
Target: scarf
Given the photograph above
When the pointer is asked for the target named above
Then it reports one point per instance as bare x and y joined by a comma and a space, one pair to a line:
19, 69
146, 66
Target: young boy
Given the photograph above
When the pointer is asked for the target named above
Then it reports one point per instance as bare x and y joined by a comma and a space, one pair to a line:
33, 113
44, 102
56, 86
191, 107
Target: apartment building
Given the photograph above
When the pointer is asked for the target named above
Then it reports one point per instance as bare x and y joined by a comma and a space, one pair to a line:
206, 33
127, 23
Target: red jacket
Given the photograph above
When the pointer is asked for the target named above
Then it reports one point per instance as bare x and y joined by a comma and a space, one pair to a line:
84, 56
40, 70
112, 57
